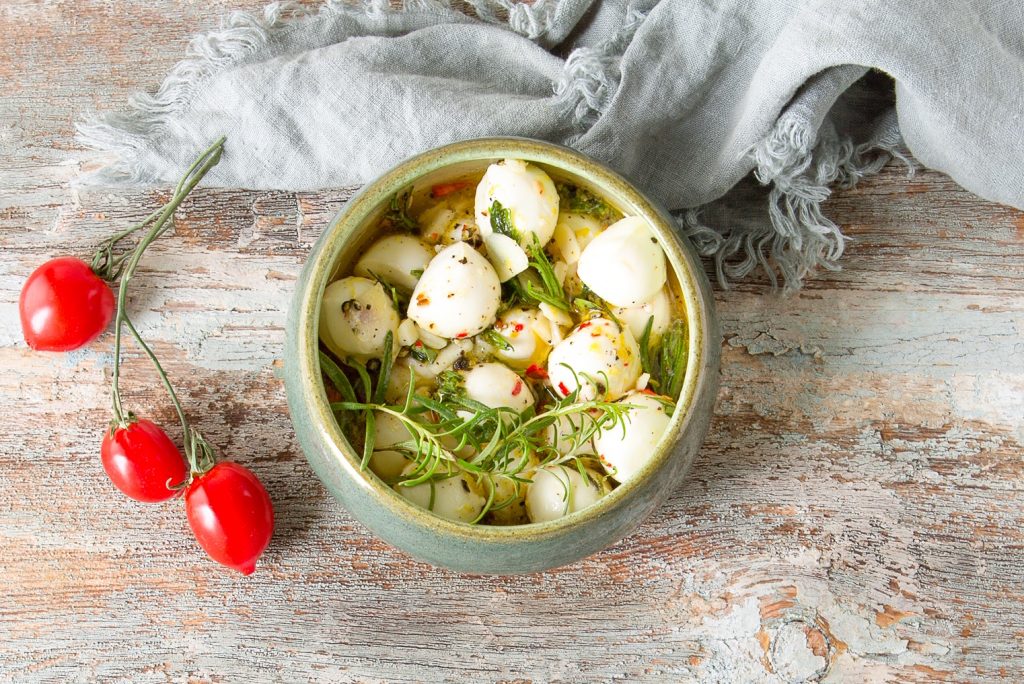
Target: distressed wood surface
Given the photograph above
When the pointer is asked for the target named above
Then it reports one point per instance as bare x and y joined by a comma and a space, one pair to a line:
856, 514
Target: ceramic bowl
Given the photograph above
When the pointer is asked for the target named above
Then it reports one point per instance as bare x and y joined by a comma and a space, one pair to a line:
481, 548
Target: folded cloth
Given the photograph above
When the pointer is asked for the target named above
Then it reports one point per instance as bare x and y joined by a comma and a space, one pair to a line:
684, 97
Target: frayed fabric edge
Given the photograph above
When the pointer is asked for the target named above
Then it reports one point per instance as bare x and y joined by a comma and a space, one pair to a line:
802, 164
124, 136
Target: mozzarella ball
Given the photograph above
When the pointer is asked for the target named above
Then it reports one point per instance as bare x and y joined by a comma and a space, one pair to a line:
388, 465
398, 383
573, 233
396, 259
624, 450
388, 431
559, 434
450, 221
624, 265
496, 386
513, 513
355, 317
557, 491
635, 317
520, 328
527, 192
604, 358
455, 498
458, 294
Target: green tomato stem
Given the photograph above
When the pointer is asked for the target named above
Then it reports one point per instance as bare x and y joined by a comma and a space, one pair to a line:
157, 226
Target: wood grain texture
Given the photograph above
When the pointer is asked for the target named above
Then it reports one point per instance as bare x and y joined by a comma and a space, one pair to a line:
855, 516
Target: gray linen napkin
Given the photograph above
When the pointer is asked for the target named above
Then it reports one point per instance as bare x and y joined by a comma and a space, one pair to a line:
684, 97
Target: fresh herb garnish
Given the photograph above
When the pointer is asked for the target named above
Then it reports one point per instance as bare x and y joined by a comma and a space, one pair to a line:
422, 353
588, 302
496, 339
576, 200
501, 221
397, 213
667, 362
551, 291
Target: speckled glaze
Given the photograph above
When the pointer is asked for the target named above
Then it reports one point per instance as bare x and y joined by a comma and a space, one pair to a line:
478, 548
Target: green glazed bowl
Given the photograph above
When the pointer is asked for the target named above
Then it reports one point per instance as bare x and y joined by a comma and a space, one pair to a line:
480, 548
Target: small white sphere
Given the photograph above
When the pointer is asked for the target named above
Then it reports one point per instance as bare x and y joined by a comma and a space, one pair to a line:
396, 259
496, 386
356, 315
624, 265
604, 358
458, 294
527, 192
455, 498
388, 465
559, 434
388, 431
557, 491
624, 450
519, 327
635, 317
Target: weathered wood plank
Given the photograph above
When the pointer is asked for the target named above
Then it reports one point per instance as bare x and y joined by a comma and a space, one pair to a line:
856, 511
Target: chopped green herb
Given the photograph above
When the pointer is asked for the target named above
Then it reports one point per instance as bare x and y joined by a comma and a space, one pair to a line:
422, 353
576, 200
397, 213
501, 221
496, 339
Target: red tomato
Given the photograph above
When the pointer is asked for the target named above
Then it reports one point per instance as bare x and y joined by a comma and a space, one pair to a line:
142, 461
64, 305
231, 515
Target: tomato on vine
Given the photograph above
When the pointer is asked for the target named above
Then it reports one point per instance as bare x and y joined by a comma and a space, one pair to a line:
64, 305
142, 461
231, 515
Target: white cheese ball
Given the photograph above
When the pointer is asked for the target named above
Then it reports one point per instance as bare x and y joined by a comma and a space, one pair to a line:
635, 317
395, 259
604, 358
520, 327
557, 491
624, 265
388, 465
356, 315
625, 450
388, 431
496, 386
426, 372
458, 294
527, 192
573, 233
559, 434
455, 498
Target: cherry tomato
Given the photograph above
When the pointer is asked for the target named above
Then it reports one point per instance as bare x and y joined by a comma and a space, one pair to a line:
141, 461
231, 515
64, 305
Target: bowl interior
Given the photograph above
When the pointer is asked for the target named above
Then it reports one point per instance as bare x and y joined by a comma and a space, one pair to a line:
356, 227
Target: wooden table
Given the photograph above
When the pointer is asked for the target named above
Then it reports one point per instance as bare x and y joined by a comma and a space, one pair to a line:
856, 514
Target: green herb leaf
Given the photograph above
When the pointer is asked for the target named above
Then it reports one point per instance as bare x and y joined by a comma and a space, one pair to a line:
337, 377
672, 359
422, 353
501, 221
397, 213
369, 439
496, 339
576, 200
385, 369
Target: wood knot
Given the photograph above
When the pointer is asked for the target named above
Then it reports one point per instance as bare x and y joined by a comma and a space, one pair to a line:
801, 651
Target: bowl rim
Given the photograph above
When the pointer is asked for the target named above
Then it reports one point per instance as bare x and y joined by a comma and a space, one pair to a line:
347, 223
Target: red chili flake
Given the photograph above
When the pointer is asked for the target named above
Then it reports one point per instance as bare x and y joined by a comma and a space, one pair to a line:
584, 324
419, 343
517, 388
461, 335
648, 390
596, 333
445, 189
518, 327
535, 371
422, 299
563, 389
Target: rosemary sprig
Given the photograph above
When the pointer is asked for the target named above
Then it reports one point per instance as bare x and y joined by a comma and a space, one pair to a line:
667, 362
501, 438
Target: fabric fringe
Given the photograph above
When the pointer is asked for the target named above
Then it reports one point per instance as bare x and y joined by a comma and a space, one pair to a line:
591, 75
802, 164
